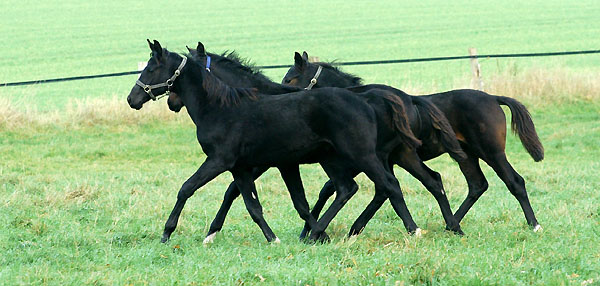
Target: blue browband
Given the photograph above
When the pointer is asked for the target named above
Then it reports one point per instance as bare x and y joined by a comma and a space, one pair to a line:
207, 62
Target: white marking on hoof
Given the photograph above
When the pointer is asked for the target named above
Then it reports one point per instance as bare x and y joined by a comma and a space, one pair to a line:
277, 240
537, 228
210, 238
418, 233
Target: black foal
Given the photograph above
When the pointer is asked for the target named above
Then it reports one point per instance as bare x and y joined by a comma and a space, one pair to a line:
231, 69
240, 129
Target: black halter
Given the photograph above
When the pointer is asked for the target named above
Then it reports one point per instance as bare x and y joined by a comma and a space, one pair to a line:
168, 83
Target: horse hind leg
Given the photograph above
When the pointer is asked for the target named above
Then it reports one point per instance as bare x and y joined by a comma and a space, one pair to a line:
231, 195
386, 185
515, 184
367, 214
217, 224
432, 182
326, 192
475, 180
291, 176
345, 188
245, 183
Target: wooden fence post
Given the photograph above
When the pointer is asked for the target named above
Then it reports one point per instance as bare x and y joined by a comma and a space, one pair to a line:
476, 81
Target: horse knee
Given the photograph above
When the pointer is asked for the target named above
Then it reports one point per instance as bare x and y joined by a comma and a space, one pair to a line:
477, 189
436, 176
517, 187
327, 191
434, 185
256, 215
186, 191
350, 190
353, 188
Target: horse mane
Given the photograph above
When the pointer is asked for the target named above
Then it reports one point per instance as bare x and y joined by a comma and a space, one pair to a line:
355, 80
233, 61
221, 93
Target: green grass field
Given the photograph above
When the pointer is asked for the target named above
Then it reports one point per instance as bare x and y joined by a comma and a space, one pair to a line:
86, 183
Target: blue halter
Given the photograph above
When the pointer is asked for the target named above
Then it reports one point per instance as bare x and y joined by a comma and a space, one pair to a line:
208, 63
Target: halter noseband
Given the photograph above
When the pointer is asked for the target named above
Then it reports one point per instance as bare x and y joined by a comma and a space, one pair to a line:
148, 88
313, 81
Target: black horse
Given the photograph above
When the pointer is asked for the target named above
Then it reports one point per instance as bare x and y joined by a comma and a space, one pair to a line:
239, 129
232, 70
478, 122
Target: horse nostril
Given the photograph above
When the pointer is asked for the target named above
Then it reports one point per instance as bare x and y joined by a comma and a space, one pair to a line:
129, 100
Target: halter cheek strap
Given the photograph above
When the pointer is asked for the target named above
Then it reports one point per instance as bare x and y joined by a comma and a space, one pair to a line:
313, 81
148, 88
208, 63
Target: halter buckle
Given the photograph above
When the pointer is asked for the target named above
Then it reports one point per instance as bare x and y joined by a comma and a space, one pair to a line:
313, 81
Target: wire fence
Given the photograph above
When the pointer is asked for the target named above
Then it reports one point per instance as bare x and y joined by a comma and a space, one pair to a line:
355, 63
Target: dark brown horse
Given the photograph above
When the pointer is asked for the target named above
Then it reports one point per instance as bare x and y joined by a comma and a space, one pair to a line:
240, 129
478, 122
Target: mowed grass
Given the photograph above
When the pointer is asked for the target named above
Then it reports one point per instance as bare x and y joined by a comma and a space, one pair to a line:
86, 184
86, 204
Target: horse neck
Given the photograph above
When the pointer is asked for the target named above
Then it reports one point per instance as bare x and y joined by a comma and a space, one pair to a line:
250, 80
334, 78
192, 93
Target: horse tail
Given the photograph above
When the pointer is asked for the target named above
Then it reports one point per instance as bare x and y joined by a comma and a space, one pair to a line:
400, 120
440, 123
523, 126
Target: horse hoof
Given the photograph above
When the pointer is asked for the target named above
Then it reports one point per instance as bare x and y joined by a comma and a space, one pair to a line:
210, 238
165, 238
353, 233
303, 234
418, 232
456, 230
321, 238
537, 228
277, 240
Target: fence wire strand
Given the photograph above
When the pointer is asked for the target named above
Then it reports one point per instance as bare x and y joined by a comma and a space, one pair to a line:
355, 63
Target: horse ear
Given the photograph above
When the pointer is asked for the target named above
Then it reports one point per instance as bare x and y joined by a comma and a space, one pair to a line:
150, 44
157, 46
299, 62
305, 56
158, 49
192, 51
200, 49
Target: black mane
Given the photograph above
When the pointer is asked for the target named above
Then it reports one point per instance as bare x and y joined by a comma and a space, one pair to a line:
243, 63
234, 61
219, 92
355, 80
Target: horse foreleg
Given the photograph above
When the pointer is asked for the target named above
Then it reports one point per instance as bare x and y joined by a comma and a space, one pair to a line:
208, 171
